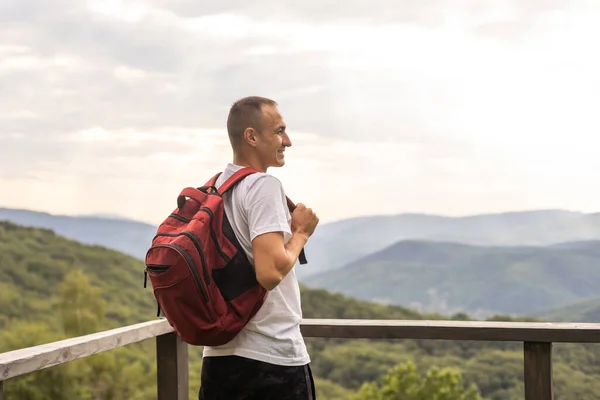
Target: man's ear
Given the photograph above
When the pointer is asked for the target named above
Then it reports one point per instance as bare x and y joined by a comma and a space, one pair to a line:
250, 136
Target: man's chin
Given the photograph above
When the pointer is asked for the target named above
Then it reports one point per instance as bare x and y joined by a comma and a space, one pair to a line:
280, 162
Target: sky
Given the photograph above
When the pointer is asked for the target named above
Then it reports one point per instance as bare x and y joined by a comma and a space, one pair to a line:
452, 108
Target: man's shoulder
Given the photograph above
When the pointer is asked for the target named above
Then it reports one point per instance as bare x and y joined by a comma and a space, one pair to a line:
263, 187
258, 181
262, 181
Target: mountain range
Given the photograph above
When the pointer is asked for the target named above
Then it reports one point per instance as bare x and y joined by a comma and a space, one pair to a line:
517, 262
52, 288
337, 244
118, 233
480, 280
580, 311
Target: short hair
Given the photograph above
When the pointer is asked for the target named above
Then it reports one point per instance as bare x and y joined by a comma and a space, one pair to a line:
245, 113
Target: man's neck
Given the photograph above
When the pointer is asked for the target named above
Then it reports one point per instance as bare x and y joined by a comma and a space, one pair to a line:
248, 162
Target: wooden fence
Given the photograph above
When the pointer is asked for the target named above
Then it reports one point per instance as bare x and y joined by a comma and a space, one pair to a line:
172, 355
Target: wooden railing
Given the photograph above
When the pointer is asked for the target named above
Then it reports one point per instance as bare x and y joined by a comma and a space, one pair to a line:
172, 361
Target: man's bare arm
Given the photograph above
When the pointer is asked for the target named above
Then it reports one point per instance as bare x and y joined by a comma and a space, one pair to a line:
272, 259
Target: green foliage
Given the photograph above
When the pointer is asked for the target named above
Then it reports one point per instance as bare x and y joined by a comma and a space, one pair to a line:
337, 244
33, 262
53, 288
81, 305
331, 391
496, 368
403, 382
319, 303
449, 278
124, 235
581, 311
52, 382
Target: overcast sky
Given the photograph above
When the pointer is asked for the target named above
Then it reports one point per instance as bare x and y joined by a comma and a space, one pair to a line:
436, 106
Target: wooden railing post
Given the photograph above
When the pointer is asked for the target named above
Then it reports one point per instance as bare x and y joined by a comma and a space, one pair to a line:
538, 371
172, 367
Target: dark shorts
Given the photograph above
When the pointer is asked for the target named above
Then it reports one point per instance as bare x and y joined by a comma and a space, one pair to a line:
238, 378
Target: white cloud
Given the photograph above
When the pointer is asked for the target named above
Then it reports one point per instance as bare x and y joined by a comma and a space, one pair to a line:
338, 178
224, 26
129, 74
22, 59
7, 49
18, 114
128, 11
20, 62
135, 137
435, 107
12, 135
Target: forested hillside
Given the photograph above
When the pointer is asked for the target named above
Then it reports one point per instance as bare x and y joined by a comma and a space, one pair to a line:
452, 277
581, 311
52, 288
127, 236
340, 243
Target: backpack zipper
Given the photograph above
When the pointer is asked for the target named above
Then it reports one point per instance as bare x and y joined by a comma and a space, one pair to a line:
198, 246
154, 268
179, 217
214, 235
190, 263
212, 231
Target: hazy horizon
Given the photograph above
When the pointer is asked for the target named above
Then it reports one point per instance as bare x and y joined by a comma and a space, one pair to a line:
162, 217
428, 107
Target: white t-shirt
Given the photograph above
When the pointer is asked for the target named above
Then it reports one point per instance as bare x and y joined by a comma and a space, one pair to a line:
255, 206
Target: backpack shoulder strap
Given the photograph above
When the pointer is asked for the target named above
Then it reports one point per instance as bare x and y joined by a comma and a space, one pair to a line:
292, 207
238, 176
213, 180
235, 178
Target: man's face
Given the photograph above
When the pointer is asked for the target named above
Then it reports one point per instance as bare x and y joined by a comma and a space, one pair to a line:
273, 138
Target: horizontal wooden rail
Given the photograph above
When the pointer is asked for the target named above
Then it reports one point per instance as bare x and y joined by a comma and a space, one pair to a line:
453, 330
24, 361
172, 376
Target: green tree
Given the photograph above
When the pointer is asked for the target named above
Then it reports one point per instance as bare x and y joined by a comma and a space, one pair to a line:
111, 375
81, 304
102, 376
403, 382
327, 390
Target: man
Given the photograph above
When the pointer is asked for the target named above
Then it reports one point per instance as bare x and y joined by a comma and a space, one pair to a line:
268, 358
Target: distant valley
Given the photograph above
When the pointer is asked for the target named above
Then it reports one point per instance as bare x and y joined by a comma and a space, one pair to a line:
514, 263
337, 244
52, 288
127, 236
581, 311
450, 278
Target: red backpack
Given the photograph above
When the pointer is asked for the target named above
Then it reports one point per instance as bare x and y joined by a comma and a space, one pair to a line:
202, 280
